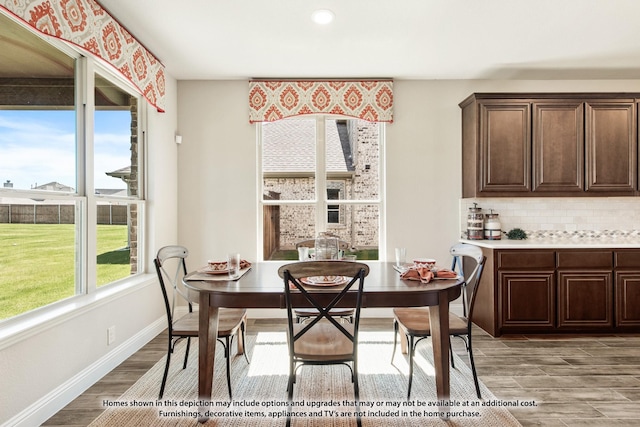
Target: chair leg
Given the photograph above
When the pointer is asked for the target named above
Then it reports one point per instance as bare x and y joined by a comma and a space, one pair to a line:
453, 365
290, 391
186, 353
227, 356
356, 392
411, 351
395, 338
244, 342
166, 370
473, 368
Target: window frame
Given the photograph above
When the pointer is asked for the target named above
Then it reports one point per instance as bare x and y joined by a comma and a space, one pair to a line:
320, 200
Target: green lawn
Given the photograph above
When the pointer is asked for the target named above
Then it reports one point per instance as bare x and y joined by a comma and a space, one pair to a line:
37, 263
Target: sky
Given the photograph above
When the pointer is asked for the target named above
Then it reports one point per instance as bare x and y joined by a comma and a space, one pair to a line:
38, 147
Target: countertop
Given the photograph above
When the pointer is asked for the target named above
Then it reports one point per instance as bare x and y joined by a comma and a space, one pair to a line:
614, 242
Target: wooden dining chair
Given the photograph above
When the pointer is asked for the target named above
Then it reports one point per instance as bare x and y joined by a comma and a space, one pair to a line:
323, 340
230, 321
303, 314
414, 322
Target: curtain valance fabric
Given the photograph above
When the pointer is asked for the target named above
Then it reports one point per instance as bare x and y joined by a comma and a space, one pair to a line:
86, 24
271, 100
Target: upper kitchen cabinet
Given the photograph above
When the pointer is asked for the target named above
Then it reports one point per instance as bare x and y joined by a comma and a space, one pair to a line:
558, 146
549, 145
611, 143
496, 150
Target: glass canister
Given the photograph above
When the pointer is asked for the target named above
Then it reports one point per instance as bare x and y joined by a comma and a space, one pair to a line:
475, 223
326, 246
492, 226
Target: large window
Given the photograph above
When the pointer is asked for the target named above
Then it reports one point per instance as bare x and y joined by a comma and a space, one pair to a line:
320, 174
70, 201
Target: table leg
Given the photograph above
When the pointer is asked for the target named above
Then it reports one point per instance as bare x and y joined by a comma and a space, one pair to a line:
439, 319
207, 335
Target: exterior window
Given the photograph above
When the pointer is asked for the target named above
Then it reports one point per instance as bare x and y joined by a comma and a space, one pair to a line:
116, 181
320, 174
50, 189
333, 211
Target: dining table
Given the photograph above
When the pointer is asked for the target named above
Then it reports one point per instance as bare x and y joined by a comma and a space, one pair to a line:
261, 287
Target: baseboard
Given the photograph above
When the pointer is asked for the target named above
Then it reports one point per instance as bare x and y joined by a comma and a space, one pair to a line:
47, 406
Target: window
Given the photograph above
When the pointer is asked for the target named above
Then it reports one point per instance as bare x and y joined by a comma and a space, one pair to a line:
333, 211
61, 171
320, 174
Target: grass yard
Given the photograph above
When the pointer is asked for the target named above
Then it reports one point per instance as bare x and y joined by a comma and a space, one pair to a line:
37, 262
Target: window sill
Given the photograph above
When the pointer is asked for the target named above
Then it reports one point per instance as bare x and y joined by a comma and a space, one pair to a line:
28, 324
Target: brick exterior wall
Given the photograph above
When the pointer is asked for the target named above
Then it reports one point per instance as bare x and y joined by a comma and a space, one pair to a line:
359, 224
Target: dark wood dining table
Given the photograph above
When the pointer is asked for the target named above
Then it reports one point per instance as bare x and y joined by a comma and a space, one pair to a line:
261, 287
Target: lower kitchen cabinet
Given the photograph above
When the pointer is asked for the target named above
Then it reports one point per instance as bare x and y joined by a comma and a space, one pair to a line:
559, 291
585, 300
528, 300
627, 294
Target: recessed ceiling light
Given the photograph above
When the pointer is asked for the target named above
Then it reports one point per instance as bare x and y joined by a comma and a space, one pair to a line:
322, 16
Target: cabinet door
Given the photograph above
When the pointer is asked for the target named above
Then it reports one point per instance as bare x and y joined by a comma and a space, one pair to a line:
628, 298
610, 135
585, 299
505, 146
558, 146
527, 300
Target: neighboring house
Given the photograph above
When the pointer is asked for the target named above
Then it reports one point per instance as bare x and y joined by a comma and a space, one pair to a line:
352, 158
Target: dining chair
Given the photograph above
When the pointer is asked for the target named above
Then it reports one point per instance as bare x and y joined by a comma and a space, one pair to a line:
323, 340
230, 321
414, 322
303, 314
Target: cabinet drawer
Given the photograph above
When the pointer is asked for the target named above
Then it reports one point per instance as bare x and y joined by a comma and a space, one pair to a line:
626, 259
584, 260
526, 259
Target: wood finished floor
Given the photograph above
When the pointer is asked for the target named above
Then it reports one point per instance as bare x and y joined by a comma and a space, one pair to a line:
576, 381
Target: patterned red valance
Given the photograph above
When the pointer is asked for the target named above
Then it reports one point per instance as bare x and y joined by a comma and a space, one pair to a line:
271, 100
86, 24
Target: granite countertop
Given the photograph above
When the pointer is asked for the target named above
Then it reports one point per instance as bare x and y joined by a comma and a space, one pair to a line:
558, 242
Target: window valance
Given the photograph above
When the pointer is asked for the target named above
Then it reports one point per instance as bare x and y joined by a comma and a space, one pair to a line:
271, 100
88, 25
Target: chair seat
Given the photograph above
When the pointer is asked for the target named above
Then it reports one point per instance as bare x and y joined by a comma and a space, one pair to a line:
323, 342
229, 321
415, 321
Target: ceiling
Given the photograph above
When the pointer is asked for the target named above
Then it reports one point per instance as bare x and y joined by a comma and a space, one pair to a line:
401, 39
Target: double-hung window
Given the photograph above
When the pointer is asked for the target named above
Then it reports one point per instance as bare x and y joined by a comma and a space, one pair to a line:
71, 198
321, 174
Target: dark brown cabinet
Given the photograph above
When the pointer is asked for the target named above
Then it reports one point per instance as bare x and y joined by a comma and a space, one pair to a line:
585, 289
558, 146
611, 144
563, 290
527, 300
505, 146
627, 288
549, 145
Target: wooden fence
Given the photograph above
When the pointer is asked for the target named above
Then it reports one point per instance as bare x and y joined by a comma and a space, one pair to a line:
58, 214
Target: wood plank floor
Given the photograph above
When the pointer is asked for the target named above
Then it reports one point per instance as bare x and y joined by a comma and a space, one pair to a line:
575, 381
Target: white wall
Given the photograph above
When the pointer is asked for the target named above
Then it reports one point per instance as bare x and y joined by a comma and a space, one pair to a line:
45, 367
423, 163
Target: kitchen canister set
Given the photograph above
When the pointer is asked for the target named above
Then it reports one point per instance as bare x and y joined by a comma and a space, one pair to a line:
481, 226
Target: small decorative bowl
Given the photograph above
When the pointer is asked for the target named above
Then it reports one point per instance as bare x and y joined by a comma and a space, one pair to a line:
429, 263
218, 265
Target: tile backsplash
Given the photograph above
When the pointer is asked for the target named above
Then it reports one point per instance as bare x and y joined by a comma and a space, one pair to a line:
560, 215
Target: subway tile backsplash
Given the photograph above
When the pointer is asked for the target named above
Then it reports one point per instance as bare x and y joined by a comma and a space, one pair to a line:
565, 216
